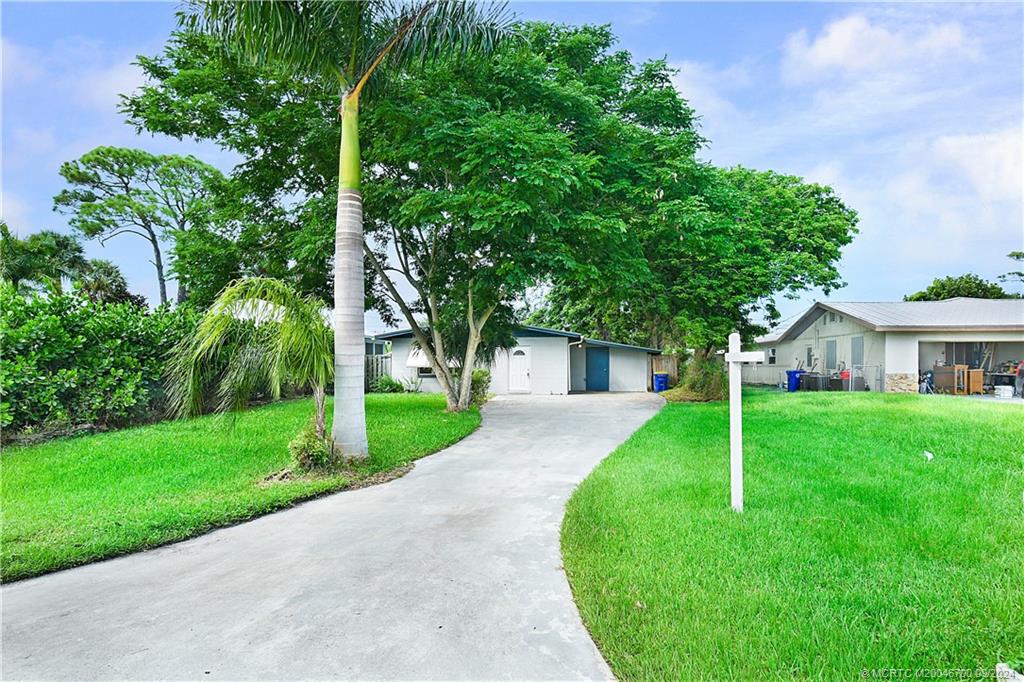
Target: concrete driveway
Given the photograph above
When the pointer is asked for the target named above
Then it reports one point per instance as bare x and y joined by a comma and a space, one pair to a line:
452, 572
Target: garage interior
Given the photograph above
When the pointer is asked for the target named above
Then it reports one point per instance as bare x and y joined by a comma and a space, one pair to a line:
969, 368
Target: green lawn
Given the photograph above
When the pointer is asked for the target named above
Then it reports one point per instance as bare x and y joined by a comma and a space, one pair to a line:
72, 501
854, 552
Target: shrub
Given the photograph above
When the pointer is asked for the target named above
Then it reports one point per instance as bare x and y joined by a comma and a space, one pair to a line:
68, 361
412, 385
481, 383
386, 383
704, 379
308, 451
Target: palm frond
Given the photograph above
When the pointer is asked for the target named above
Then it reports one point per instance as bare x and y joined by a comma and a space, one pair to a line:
408, 33
257, 335
307, 38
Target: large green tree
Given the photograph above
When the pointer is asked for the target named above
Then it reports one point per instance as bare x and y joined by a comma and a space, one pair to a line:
116, 191
476, 195
706, 249
345, 44
968, 286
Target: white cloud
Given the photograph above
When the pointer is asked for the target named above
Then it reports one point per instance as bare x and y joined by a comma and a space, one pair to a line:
20, 64
854, 46
15, 212
641, 14
32, 141
992, 161
707, 89
100, 88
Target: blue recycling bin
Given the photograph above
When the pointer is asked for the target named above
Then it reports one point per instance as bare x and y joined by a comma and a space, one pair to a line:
793, 379
660, 382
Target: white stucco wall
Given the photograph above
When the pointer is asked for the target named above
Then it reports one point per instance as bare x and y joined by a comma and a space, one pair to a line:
893, 352
400, 349
788, 354
578, 367
549, 366
627, 370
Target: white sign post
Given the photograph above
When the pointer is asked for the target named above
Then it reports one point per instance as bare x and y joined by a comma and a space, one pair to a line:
735, 358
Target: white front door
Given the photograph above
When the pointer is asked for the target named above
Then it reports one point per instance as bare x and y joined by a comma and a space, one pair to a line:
519, 370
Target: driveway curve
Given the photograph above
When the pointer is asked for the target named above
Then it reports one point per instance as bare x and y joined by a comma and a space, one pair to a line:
451, 572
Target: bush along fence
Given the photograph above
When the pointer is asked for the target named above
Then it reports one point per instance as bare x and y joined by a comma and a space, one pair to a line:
70, 363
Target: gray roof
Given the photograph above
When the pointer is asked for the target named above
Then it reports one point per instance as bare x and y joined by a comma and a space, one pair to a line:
527, 330
954, 314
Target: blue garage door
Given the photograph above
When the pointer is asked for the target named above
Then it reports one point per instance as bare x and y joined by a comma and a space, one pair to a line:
597, 369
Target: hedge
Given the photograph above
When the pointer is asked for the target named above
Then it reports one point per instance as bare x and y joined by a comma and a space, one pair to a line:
66, 361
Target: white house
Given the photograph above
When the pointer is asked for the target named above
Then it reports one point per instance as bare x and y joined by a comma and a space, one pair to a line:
889, 344
544, 362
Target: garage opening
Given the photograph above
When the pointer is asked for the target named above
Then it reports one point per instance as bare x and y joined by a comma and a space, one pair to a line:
969, 367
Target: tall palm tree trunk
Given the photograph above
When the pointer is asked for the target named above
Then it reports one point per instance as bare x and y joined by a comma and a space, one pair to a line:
349, 428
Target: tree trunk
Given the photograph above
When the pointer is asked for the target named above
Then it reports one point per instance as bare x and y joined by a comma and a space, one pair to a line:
158, 261
182, 292
320, 398
349, 428
466, 382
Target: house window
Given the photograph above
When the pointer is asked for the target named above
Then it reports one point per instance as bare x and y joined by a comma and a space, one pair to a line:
425, 372
831, 317
810, 357
831, 360
771, 356
857, 351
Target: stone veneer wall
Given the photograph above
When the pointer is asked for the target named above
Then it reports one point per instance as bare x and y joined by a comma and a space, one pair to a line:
901, 382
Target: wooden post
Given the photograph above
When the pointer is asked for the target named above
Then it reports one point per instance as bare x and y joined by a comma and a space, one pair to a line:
735, 357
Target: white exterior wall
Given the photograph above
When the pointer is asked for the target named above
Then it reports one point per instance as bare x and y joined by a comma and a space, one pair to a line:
400, 349
627, 370
897, 353
549, 366
788, 354
577, 367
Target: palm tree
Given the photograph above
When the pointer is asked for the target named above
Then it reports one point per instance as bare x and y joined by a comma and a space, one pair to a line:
259, 334
348, 43
41, 260
103, 282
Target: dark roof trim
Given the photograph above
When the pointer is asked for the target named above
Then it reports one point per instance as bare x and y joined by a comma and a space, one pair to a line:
528, 331
625, 346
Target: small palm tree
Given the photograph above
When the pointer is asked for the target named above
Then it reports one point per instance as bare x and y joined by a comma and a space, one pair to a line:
347, 43
259, 334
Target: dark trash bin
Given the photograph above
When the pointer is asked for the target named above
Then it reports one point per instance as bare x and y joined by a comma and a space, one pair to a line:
660, 382
813, 382
793, 379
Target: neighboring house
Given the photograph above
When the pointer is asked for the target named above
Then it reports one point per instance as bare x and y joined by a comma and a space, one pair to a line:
375, 346
889, 344
544, 362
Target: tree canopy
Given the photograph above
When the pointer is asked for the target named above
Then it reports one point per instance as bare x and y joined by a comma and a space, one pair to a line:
968, 286
558, 141
41, 260
116, 191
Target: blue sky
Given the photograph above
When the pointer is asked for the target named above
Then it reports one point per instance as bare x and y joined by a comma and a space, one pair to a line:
913, 112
